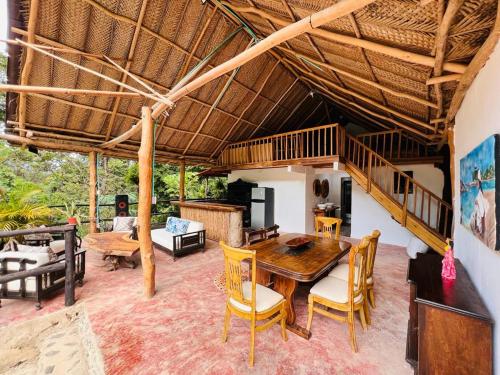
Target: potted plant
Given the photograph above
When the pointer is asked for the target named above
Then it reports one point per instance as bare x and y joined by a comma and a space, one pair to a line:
71, 213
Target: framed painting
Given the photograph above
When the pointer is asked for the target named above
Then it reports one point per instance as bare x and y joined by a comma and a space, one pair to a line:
479, 192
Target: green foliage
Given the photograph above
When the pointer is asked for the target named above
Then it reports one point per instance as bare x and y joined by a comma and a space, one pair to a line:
20, 207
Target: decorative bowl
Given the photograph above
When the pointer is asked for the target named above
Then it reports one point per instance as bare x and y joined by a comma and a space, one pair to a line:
329, 205
321, 206
298, 242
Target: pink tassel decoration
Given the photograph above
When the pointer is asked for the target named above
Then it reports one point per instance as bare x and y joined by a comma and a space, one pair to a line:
448, 271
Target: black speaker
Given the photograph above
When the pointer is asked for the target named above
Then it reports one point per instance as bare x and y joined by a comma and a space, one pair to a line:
121, 205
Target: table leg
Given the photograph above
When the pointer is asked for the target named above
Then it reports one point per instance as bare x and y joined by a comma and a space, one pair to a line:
287, 287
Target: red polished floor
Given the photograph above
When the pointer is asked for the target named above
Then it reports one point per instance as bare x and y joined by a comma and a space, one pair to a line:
179, 330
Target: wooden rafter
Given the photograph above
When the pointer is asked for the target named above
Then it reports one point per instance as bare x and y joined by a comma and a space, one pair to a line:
291, 31
28, 63
440, 47
292, 112
130, 56
315, 109
366, 81
216, 102
473, 69
27, 89
237, 121
371, 101
285, 93
397, 53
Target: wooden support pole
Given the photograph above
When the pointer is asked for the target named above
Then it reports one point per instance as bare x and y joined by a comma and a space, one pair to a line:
145, 201
182, 181
92, 191
69, 258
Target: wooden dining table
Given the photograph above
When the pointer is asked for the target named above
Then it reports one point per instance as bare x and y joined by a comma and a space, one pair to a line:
285, 267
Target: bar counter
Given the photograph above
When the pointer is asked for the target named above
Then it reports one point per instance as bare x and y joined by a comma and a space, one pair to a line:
222, 221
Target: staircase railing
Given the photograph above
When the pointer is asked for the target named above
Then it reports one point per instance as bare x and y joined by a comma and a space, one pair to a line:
312, 144
407, 196
396, 144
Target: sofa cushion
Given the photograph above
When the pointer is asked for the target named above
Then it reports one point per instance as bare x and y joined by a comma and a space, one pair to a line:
176, 226
195, 226
40, 258
124, 223
163, 238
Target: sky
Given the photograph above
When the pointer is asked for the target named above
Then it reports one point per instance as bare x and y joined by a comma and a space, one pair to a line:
3, 24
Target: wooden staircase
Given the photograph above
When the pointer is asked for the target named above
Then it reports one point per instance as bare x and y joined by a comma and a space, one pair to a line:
412, 205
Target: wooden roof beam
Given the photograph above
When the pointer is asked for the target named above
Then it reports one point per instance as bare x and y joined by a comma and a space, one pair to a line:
397, 53
128, 64
28, 62
285, 93
26, 89
371, 102
313, 21
440, 48
368, 82
337, 98
262, 86
473, 69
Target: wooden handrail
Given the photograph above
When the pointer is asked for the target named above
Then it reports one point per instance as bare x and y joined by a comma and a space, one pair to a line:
431, 210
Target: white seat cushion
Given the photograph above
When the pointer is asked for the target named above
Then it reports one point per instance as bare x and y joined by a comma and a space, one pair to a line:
124, 223
333, 289
265, 298
57, 246
341, 272
195, 226
163, 238
40, 258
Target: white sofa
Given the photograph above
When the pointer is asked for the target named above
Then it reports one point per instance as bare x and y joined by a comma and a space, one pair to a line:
182, 243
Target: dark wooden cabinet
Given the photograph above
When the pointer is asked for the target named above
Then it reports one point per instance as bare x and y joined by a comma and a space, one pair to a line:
450, 328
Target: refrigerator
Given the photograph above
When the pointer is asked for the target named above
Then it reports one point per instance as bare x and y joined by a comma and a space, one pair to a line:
262, 207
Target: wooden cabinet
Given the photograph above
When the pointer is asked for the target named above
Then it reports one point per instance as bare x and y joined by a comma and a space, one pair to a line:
450, 328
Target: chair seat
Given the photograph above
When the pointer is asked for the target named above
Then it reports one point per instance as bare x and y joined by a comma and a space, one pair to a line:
265, 298
341, 272
334, 290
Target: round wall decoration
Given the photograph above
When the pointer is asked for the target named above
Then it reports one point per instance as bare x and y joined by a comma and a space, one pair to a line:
317, 187
325, 188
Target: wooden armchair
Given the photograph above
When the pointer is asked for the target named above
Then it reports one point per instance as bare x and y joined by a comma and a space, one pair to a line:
346, 296
327, 226
249, 300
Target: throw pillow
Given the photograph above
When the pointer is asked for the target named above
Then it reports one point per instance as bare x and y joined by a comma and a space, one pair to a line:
176, 226
37, 249
123, 224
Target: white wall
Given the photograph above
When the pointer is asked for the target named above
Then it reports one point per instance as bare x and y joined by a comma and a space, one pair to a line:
367, 214
289, 194
478, 118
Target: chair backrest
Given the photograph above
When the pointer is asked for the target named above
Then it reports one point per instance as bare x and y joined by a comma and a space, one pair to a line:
255, 236
272, 232
234, 285
372, 252
357, 260
327, 225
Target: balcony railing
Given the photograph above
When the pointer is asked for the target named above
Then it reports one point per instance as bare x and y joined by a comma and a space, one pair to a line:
314, 144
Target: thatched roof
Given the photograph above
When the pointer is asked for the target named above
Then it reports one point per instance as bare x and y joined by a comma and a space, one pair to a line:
347, 63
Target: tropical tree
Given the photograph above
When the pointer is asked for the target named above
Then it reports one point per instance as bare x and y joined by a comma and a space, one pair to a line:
19, 208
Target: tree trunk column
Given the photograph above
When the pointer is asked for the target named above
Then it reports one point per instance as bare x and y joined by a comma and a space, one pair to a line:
182, 180
92, 191
145, 201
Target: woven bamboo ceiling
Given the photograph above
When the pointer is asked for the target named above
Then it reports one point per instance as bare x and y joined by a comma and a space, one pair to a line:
391, 64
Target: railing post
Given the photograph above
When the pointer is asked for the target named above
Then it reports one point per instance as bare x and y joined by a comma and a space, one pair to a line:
69, 258
405, 202
369, 173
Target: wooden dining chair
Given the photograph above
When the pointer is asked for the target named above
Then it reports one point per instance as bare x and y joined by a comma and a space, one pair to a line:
272, 232
341, 295
249, 300
327, 225
254, 236
341, 271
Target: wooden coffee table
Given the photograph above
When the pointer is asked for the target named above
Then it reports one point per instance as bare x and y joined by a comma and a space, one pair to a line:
117, 248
